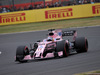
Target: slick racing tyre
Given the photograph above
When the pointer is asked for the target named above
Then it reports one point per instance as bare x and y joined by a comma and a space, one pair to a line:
81, 44
63, 46
21, 52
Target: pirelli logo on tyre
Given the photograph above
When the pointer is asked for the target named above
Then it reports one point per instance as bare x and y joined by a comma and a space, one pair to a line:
60, 13
9, 18
96, 9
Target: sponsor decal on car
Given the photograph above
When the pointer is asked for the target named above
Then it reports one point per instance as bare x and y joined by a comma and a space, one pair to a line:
40, 48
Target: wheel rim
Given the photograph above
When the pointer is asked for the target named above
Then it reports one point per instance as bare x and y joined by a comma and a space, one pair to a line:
86, 45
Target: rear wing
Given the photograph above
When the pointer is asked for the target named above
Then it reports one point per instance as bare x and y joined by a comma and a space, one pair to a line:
70, 33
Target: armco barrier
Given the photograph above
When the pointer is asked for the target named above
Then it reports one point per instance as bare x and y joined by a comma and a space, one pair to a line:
68, 12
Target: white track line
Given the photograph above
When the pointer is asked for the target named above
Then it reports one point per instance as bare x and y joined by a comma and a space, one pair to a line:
85, 27
46, 30
0, 52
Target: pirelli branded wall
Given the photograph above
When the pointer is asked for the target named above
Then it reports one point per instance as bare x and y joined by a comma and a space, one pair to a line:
68, 12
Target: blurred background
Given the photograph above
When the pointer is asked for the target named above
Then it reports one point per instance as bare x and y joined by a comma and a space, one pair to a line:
19, 5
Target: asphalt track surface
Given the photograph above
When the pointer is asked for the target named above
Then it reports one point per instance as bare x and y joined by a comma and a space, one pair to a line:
73, 64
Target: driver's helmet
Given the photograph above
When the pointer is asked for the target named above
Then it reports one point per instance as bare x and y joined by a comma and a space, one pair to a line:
49, 39
51, 34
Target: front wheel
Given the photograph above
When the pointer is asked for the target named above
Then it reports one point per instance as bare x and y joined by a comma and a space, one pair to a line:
81, 44
63, 46
21, 52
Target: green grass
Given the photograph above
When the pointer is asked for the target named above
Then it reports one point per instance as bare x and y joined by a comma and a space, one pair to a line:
48, 25
90, 73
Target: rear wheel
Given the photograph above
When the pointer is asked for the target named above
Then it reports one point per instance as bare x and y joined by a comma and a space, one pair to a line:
21, 52
63, 46
81, 44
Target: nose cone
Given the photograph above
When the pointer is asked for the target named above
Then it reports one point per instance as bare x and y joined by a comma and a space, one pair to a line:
39, 51
37, 54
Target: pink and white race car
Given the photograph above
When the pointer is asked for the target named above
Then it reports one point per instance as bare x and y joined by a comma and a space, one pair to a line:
53, 46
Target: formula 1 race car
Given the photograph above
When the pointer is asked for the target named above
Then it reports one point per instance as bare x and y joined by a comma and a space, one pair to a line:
53, 46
